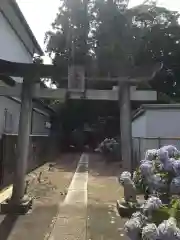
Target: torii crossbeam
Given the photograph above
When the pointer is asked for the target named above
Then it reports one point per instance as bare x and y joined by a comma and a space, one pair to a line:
31, 74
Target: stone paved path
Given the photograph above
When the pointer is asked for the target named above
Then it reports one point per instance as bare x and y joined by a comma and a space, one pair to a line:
71, 219
89, 209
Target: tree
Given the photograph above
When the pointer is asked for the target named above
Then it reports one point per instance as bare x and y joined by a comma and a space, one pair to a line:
68, 40
108, 39
112, 37
160, 41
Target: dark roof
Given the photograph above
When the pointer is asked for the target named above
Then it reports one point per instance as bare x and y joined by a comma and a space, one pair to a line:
26, 26
145, 107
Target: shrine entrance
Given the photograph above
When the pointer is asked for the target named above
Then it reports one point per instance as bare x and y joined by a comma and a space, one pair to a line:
30, 89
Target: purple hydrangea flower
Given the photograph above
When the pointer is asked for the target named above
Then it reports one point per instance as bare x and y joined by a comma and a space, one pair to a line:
151, 154
150, 232
175, 186
146, 168
153, 203
134, 225
168, 230
172, 150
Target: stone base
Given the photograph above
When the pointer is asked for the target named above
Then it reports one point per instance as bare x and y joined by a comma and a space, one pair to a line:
9, 208
126, 211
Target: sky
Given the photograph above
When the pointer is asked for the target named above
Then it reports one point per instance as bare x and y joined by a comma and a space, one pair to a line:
40, 13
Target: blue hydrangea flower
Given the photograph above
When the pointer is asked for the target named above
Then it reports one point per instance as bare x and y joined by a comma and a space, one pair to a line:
151, 154
157, 183
146, 168
150, 232
132, 228
134, 225
168, 230
176, 166
153, 203
163, 155
175, 186
172, 150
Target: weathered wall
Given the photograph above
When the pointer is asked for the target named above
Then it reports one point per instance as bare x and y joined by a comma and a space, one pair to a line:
11, 48
38, 123
16, 45
139, 126
40, 151
156, 123
9, 118
163, 123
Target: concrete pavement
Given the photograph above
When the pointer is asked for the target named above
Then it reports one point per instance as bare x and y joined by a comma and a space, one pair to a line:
71, 222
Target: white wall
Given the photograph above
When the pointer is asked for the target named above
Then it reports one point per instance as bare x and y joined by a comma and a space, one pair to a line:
10, 124
157, 123
139, 126
163, 123
9, 9
13, 110
11, 48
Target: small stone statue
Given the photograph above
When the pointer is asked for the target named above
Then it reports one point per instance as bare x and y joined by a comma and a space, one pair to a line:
129, 187
129, 192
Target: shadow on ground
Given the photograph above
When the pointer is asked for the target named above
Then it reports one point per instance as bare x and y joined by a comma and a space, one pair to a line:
66, 162
104, 223
99, 166
34, 225
7, 225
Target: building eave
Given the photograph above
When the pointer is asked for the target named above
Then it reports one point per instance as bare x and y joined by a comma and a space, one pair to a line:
138, 113
146, 107
26, 26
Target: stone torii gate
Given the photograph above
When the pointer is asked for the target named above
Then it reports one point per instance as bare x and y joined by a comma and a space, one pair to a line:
28, 90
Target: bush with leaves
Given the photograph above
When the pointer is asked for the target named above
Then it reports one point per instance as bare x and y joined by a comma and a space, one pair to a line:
108, 146
159, 173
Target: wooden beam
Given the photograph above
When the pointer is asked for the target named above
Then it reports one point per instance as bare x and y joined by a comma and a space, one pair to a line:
133, 75
27, 69
10, 91
7, 80
50, 93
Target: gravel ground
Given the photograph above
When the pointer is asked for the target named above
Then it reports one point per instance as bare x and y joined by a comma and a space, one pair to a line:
49, 188
48, 192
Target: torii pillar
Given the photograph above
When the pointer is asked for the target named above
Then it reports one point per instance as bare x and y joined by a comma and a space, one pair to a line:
138, 74
23, 143
125, 126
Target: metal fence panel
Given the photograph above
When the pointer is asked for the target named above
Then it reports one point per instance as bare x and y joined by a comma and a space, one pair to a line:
170, 141
141, 145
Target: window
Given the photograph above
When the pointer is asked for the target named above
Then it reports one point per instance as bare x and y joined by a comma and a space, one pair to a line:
8, 121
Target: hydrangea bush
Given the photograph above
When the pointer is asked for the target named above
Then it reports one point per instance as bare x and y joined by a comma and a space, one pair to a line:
109, 145
159, 172
144, 225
